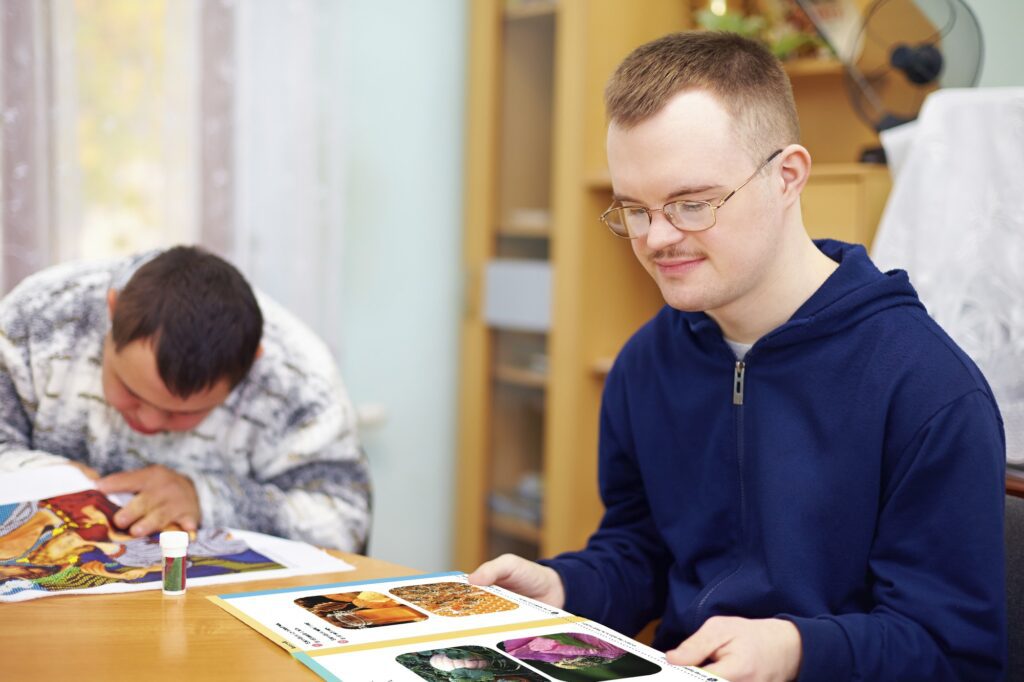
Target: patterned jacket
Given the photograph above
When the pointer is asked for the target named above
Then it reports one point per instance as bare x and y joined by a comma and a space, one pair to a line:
280, 455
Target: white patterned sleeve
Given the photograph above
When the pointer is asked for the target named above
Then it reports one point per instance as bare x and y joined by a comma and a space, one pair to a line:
18, 400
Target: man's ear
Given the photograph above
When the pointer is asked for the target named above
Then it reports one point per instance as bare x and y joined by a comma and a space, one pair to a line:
795, 169
111, 302
259, 352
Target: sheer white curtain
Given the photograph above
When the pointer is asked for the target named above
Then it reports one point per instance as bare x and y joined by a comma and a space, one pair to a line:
98, 127
26, 144
289, 156
129, 124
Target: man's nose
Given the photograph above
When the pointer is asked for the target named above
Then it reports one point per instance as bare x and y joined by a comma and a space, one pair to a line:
662, 233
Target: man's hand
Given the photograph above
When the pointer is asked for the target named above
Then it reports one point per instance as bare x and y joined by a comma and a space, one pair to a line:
162, 497
743, 650
522, 577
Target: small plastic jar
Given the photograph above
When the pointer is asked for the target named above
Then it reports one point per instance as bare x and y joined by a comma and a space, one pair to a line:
174, 545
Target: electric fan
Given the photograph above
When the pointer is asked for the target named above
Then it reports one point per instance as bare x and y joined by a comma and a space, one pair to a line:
900, 52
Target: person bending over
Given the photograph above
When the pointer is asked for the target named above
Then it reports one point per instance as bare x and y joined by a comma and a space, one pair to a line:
166, 376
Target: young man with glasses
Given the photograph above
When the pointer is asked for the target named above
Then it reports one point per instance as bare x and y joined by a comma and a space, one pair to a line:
802, 474
163, 376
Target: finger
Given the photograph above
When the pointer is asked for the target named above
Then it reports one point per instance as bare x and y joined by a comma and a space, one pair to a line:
122, 482
686, 655
155, 520
185, 522
506, 571
723, 670
171, 505
131, 512
142, 528
701, 645
487, 573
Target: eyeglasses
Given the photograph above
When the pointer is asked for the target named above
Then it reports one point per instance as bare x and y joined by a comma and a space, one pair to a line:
631, 222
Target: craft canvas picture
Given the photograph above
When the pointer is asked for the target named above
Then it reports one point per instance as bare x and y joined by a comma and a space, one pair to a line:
69, 542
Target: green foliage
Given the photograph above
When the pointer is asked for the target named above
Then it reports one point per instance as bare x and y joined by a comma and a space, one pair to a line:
793, 43
782, 38
747, 26
467, 674
569, 640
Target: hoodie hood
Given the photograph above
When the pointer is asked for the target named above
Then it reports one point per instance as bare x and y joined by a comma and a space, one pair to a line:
856, 290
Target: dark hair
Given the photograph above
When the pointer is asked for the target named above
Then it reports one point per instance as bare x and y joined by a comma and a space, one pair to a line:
200, 314
742, 74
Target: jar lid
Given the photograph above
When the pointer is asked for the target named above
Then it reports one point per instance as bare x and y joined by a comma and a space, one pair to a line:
173, 539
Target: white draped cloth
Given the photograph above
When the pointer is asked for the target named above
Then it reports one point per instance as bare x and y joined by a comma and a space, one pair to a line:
955, 222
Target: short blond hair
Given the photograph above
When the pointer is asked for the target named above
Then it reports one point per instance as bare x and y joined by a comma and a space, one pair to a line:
740, 73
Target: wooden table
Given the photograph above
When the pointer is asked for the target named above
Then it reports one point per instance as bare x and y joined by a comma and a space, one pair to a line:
147, 636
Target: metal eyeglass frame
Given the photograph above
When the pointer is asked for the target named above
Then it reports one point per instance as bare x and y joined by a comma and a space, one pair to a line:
714, 207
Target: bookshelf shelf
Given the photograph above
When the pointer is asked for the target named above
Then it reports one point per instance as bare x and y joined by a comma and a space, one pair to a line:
519, 376
517, 529
813, 67
529, 9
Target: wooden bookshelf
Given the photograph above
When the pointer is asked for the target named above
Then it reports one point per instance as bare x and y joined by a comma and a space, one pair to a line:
516, 528
529, 9
518, 376
798, 68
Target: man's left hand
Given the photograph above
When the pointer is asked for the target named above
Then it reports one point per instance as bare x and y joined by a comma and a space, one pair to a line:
162, 497
743, 650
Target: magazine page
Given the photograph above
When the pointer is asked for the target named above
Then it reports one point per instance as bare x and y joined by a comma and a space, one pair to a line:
439, 627
346, 615
572, 650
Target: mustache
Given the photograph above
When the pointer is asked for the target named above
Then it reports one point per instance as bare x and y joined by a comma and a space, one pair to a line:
675, 254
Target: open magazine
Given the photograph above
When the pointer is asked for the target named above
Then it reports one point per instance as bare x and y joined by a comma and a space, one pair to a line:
437, 628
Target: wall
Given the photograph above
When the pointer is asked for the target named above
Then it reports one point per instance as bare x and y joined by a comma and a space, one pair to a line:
1000, 27
404, 64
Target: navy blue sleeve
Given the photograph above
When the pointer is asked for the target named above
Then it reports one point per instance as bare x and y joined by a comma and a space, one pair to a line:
620, 579
937, 563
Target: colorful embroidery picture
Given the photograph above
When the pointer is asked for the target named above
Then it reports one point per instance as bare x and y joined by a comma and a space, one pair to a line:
466, 663
357, 610
576, 657
69, 542
453, 599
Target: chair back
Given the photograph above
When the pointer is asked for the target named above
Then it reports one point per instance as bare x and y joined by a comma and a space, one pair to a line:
1015, 585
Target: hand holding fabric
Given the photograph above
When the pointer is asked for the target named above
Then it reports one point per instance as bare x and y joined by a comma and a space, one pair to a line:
162, 497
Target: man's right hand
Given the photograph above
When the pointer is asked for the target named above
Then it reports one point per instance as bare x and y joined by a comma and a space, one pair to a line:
523, 577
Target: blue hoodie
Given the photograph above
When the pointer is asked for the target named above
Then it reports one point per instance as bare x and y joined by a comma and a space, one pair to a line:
846, 476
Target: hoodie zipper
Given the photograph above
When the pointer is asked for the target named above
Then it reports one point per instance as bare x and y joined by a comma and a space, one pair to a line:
737, 383
739, 373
